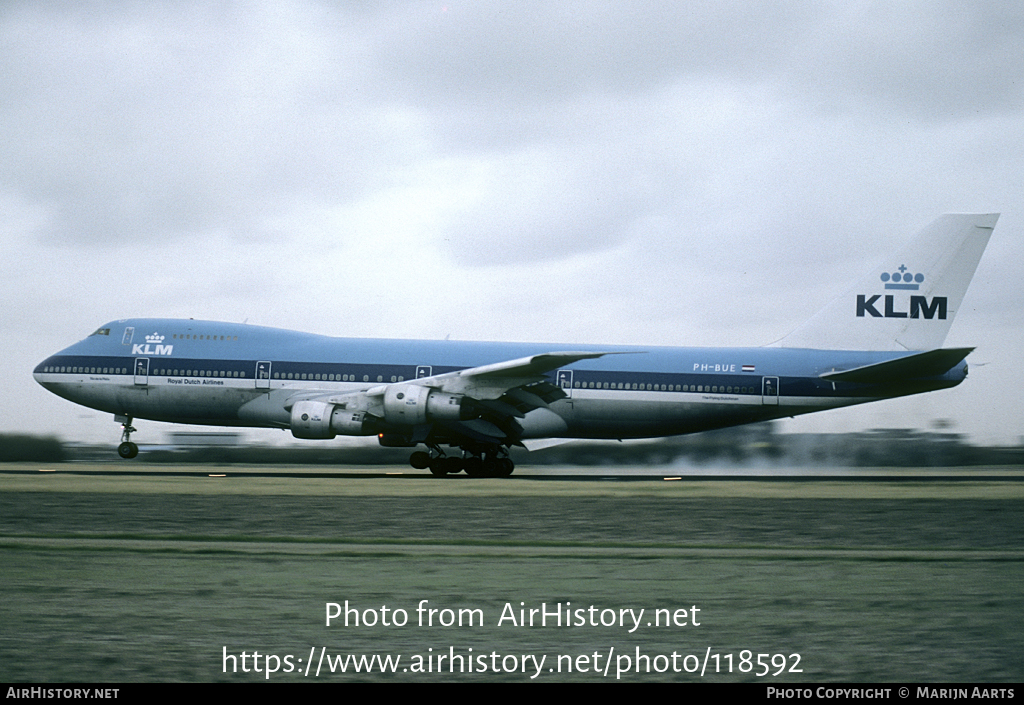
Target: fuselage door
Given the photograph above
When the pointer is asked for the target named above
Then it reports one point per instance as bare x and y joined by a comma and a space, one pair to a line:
142, 371
564, 379
770, 391
263, 375
423, 371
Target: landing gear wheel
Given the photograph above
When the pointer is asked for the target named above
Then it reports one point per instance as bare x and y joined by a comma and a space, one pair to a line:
127, 450
474, 467
420, 460
438, 467
487, 461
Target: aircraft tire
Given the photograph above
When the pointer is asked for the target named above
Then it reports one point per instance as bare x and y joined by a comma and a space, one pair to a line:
438, 467
474, 467
505, 467
420, 460
128, 450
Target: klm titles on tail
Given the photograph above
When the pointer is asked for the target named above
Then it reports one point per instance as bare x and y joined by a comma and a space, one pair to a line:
918, 305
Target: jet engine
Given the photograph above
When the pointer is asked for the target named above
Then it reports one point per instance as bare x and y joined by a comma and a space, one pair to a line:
403, 405
411, 404
317, 419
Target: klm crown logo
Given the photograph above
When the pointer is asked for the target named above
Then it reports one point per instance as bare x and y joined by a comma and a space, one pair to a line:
154, 346
903, 280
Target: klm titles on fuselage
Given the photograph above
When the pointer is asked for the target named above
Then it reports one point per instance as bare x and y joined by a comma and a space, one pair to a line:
147, 349
152, 346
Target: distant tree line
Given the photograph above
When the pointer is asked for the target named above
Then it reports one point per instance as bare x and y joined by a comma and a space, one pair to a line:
18, 448
754, 444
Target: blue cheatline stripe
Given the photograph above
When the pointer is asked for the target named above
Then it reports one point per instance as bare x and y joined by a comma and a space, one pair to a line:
596, 380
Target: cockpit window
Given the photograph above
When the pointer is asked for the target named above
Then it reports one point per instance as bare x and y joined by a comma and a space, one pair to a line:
101, 331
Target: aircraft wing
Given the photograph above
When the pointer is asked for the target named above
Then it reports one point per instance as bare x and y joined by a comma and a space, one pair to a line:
505, 391
499, 392
494, 380
485, 382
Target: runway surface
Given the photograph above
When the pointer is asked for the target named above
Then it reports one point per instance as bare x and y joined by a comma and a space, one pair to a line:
579, 475
144, 575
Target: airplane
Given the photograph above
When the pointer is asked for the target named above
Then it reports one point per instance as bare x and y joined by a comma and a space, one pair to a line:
880, 340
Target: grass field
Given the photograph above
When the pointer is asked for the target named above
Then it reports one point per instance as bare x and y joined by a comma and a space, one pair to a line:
155, 579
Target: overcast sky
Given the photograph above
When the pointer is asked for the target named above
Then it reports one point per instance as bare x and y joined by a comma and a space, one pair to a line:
687, 173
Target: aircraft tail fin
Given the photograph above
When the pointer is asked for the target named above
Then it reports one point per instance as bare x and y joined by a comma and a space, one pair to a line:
908, 302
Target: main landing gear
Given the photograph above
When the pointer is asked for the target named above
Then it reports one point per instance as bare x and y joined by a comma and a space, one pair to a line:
491, 461
127, 449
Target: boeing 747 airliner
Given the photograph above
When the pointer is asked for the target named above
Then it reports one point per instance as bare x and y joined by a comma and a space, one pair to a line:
880, 340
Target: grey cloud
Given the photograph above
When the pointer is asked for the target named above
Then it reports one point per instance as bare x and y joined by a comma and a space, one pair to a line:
536, 52
934, 61
142, 121
149, 123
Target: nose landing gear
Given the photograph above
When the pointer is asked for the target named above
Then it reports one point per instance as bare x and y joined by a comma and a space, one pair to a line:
127, 449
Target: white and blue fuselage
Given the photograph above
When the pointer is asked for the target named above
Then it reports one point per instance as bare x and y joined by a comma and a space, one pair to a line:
882, 339
229, 374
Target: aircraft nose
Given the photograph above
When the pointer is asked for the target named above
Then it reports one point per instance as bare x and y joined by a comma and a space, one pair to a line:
39, 371
55, 379
43, 373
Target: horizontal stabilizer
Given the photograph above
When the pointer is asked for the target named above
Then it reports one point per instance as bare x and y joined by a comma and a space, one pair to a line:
927, 364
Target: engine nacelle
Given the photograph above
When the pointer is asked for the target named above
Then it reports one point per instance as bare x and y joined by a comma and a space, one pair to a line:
411, 404
395, 440
352, 423
317, 419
